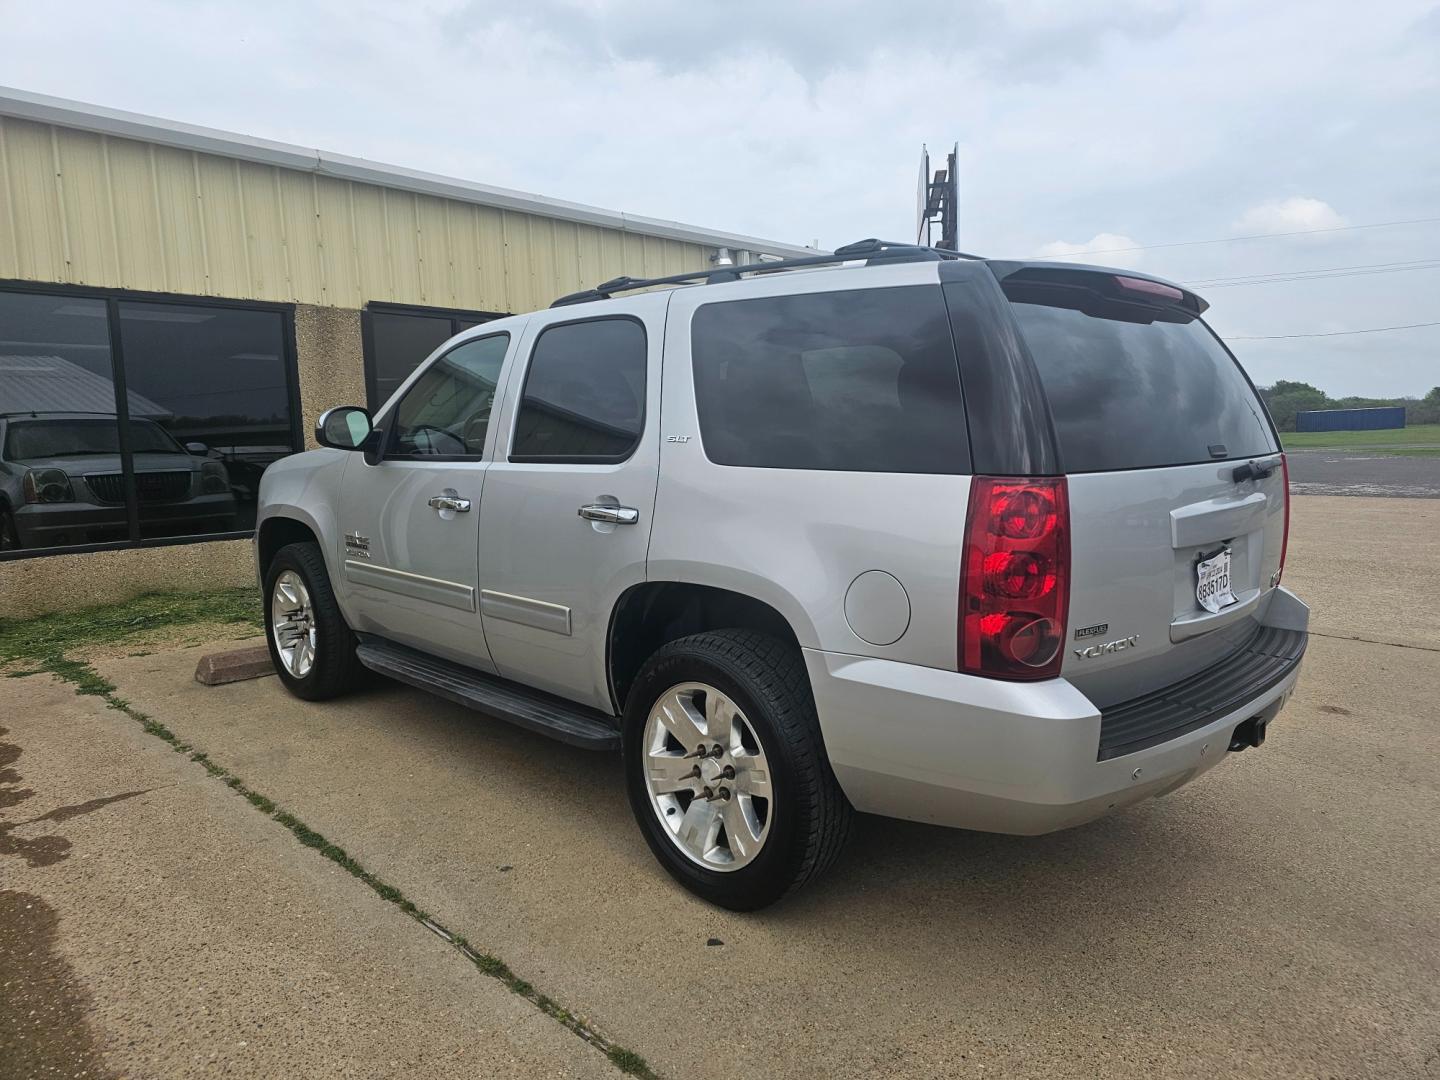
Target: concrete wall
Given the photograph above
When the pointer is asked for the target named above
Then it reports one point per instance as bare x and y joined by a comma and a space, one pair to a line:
70, 582
330, 359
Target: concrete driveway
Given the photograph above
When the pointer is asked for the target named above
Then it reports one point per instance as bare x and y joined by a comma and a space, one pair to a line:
1277, 918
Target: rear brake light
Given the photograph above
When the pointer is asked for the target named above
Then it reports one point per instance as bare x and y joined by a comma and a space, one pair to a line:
1154, 288
1285, 536
1015, 577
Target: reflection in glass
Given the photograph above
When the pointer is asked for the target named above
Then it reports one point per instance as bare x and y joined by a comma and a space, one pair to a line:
214, 382
447, 411
398, 344
58, 433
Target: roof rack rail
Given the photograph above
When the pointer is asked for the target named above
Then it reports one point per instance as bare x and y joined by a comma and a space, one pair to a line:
872, 251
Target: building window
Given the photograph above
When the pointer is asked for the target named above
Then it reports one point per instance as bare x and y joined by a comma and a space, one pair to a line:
208, 402
397, 339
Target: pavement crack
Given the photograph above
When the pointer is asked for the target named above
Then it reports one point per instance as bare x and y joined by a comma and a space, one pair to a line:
1374, 641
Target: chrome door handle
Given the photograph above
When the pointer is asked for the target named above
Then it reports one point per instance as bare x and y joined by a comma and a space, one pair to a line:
615, 515
450, 502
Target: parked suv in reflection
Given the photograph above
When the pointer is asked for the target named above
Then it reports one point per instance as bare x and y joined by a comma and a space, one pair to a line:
987, 544
61, 482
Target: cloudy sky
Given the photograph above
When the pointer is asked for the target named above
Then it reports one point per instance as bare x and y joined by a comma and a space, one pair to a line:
1115, 125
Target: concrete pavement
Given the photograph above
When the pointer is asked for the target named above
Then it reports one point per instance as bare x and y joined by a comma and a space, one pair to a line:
1276, 918
152, 924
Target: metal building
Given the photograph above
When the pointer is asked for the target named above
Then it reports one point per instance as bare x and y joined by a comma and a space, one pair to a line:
219, 292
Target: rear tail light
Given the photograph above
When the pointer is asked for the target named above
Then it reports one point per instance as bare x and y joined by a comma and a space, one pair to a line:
1285, 536
1015, 577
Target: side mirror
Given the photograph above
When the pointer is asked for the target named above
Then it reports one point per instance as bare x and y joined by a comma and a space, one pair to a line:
343, 428
198, 449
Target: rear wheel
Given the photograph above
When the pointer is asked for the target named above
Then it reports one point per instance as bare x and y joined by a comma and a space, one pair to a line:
311, 646
726, 770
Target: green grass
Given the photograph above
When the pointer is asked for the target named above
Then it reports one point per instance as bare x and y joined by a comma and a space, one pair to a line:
50, 635
44, 643
1391, 440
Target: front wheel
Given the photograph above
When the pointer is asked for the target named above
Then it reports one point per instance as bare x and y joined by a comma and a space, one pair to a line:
311, 646
726, 769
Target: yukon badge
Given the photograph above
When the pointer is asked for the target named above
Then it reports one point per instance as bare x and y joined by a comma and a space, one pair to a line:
1108, 647
357, 545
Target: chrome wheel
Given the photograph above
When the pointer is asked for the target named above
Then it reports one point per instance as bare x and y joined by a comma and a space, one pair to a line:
708, 777
292, 624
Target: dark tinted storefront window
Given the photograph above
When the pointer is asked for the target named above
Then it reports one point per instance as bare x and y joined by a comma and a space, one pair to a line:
57, 409
860, 381
398, 339
208, 394
214, 378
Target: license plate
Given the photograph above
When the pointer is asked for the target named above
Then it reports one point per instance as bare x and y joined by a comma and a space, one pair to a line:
1212, 581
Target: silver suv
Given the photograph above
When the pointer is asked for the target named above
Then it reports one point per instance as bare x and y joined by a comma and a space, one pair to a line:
994, 545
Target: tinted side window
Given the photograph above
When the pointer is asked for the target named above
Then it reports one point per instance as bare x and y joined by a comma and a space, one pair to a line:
447, 412
861, 381
584, 396
1128, 395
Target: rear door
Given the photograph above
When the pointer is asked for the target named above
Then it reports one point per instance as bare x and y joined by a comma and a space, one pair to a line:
570, 495
1174, 476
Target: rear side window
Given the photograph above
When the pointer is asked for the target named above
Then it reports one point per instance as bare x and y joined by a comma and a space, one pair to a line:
584, 398
856, 381
1131, 395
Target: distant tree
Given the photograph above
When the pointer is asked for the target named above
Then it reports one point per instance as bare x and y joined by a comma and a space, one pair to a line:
1285, 398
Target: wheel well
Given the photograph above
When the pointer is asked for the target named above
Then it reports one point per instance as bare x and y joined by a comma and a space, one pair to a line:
275, 533
650, 615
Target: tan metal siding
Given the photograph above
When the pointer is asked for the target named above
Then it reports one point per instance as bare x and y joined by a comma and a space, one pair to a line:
91, 209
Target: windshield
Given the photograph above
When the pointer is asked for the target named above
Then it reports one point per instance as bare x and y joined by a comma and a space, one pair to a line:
29, 439
1127, 395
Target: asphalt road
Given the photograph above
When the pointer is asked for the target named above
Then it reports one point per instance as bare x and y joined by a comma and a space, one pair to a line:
1275, 919
1357, 472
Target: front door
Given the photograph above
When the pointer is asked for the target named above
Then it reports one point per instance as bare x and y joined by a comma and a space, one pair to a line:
569, 497
410, 524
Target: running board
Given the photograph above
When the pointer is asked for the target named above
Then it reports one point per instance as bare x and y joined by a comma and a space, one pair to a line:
520, 705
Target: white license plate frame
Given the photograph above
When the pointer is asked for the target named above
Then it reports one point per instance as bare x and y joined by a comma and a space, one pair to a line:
1214, 590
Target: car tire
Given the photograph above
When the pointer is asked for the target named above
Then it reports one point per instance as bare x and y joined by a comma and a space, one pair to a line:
310, 644
804, 820
9, 532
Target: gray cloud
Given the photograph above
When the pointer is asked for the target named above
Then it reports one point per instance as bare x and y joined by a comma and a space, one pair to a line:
1157, 121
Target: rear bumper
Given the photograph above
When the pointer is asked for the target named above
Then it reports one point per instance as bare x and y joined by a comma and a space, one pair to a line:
951, 749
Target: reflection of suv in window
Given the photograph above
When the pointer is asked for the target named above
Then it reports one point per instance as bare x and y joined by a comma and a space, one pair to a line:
995, 545
61, 482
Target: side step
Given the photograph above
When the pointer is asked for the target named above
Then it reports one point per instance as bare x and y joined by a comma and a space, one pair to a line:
520, 705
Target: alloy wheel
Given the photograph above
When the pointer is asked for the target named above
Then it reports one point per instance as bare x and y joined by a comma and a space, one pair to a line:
292, 624
707, 776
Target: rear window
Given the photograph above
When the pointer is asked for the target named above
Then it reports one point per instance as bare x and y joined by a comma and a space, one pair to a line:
1128, 395
855, 381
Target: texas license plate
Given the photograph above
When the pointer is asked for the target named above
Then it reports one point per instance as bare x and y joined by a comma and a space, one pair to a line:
1212, 581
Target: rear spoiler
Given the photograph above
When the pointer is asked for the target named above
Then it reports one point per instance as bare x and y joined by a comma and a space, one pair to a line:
1119, 286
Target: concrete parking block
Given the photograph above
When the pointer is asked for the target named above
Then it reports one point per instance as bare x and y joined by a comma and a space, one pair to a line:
234, 665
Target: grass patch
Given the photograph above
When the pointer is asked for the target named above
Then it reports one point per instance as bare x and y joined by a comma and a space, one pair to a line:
44, 637
44, 642
1394, 438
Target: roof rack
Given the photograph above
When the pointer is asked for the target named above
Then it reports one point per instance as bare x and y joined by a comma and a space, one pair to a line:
872, 251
